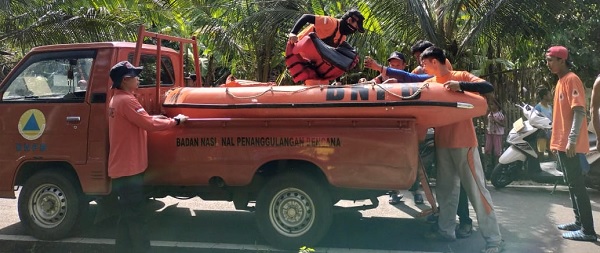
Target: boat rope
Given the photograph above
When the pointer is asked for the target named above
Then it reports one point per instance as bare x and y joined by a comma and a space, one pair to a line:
419, 90
322, 87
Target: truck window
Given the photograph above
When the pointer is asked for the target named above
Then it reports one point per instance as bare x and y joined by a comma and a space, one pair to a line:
148, 75
50, 76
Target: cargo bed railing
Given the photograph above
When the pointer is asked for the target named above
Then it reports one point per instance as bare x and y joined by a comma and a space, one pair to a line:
142, 34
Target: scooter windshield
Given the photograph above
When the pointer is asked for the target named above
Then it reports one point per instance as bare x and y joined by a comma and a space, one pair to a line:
536, 119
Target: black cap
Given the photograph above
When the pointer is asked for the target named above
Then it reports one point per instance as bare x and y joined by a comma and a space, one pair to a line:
357, 16
123, 69
397, 55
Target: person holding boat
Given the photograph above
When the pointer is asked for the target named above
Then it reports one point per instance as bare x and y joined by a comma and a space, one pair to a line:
458, 156
465, 226
128, 124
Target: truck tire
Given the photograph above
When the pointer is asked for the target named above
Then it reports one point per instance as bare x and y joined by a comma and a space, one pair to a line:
503, 175
51, 204
293, 210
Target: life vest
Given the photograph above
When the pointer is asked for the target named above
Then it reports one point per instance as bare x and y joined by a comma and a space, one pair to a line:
311, 58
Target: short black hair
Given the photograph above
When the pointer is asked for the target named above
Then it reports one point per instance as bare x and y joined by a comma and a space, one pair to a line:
542, 91
434, 53
420, 46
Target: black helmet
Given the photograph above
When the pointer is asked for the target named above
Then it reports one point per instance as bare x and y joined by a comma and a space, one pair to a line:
357, 16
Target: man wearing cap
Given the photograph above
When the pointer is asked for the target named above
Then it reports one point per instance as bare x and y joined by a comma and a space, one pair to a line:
128, 155
330, 30
570, 140
307, 56
396, 61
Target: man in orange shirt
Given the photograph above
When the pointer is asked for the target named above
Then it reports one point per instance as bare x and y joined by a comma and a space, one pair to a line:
458, 158
595, 109
417, 49
330, 30
305, 57
570, 140
128, 155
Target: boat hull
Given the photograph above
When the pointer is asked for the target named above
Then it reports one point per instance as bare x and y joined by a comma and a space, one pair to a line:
431, 105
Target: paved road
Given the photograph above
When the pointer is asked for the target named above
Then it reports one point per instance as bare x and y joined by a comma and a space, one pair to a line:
527, 216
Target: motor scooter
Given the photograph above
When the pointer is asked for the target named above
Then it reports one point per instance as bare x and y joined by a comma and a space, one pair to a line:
520, 160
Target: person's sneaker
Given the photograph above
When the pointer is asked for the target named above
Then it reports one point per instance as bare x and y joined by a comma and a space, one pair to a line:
432, 218
418, 198
463, 230
569, 227
493, 247
395, 199
579, 236
436, 234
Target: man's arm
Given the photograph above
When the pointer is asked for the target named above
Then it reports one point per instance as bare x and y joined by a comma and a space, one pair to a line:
305, 19
481, 87
404, 76
578, 115
595, 106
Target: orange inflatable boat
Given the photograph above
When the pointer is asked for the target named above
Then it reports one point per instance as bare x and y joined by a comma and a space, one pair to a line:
430, 104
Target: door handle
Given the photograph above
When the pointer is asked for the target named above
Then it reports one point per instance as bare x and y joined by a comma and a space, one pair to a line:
73, 119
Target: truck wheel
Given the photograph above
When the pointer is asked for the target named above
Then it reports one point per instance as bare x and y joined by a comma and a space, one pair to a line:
51, 205
503, 175
293, 210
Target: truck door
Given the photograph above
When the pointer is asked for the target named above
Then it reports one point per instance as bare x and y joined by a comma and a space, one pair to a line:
45, 113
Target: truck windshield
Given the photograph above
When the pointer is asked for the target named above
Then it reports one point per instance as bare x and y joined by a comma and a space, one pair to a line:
49, 78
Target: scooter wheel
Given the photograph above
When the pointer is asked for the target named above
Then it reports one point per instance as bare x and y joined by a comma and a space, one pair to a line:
502, 175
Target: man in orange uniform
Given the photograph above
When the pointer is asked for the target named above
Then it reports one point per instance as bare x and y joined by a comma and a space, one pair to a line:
458, 158
330, 30
570, 140
307, 58
417, 49
128, 156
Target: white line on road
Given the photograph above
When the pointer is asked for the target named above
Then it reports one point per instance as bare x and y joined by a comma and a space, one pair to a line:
199, 245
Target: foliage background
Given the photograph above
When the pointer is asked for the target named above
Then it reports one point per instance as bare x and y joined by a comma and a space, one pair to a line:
501, 40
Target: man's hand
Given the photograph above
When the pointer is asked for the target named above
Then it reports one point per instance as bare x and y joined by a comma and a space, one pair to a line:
372, 64
452, 85
181, 118
571, 150
292, 38
391, 80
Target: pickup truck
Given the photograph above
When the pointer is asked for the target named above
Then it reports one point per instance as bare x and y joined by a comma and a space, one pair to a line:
289, 171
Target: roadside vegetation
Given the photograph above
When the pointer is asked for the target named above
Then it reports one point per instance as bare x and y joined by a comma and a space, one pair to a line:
501, 40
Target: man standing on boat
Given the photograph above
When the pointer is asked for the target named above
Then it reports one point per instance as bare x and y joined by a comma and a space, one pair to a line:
303, 58
458, 156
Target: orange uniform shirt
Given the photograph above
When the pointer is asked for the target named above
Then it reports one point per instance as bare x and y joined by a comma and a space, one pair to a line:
127, 125
461, 134
569, 93
324, 27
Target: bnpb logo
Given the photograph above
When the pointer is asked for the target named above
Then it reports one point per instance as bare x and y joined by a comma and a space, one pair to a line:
32, 124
